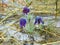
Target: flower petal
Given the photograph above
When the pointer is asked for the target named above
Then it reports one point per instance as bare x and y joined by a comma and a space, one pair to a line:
22, 22
38, 20
26, 10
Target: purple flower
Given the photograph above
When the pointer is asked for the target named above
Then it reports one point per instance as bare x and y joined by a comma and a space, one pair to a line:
38, 20
22, 22
26, 10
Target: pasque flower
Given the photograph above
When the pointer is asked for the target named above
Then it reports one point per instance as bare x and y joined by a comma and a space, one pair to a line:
38, 20
22, 22
26, 10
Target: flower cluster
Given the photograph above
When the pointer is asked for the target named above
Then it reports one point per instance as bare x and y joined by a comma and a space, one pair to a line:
23, 21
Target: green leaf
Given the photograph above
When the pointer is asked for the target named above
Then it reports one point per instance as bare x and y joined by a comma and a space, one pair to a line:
28, 1
29, 27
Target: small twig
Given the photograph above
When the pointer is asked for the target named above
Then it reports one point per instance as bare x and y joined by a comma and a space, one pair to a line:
51, 43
